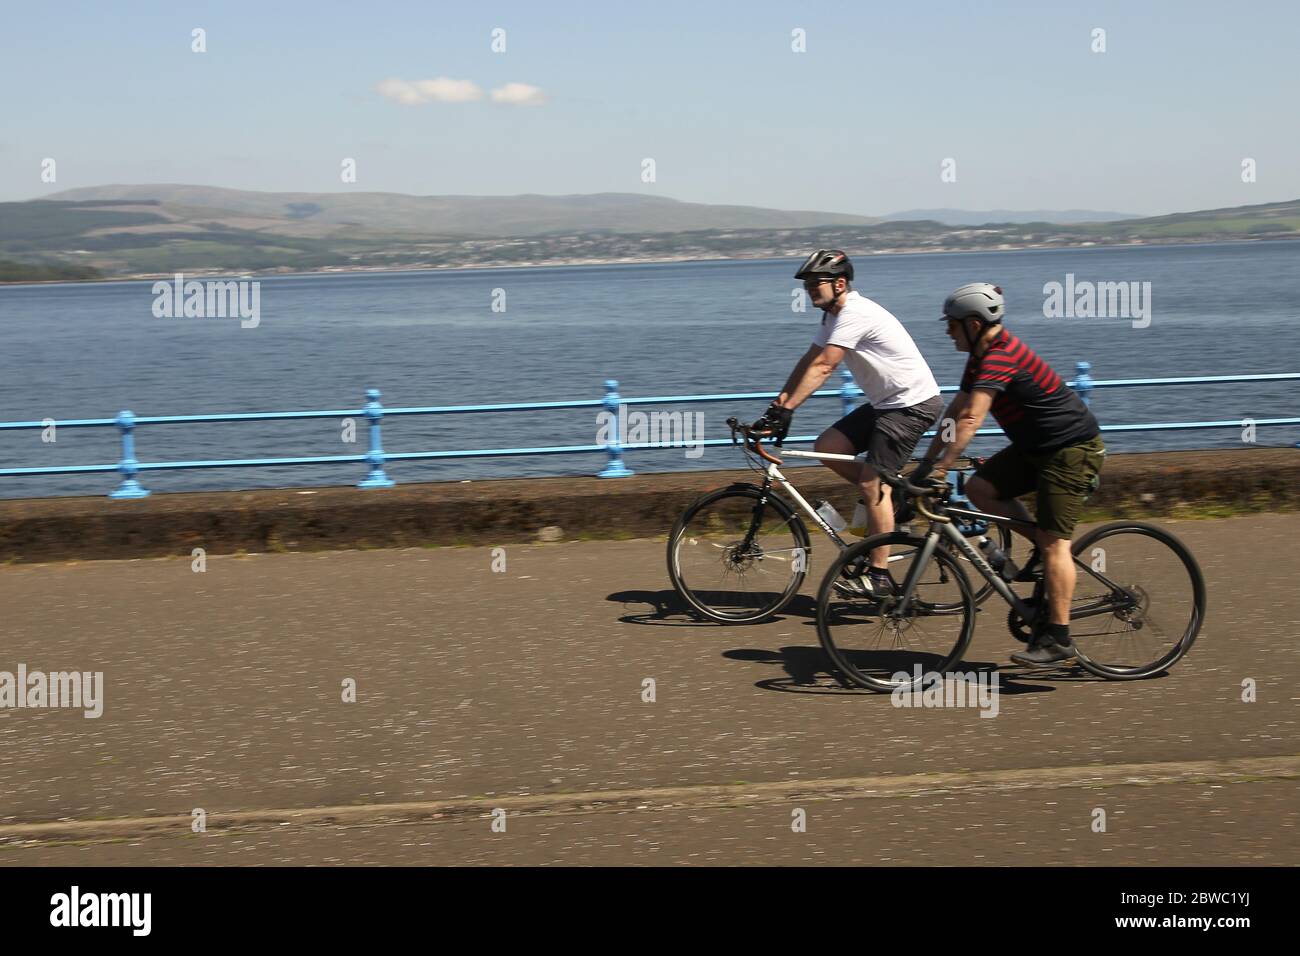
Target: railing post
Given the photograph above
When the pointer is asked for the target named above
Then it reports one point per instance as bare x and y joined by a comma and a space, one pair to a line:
1083, 381
375, 457
849, 391
615, 468
128, 466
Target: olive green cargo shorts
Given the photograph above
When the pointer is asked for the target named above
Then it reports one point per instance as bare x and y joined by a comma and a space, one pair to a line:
1063, 480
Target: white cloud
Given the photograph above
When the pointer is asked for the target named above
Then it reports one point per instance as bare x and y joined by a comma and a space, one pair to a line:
444, 90
399, 91
518, 94
439, 90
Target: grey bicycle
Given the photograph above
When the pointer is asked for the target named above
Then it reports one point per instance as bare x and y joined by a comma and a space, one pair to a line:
1138, 604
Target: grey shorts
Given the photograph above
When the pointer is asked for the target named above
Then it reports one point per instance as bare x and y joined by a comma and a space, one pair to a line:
888, 437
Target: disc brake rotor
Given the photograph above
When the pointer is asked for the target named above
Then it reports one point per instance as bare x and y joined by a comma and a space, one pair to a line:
1136, 615
741, 561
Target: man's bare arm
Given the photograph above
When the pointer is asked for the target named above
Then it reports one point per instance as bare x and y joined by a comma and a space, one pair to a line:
821, 362
968, 423
797, 375
951, 413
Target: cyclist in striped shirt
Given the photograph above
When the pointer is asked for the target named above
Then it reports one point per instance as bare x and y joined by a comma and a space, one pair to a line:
1056, 449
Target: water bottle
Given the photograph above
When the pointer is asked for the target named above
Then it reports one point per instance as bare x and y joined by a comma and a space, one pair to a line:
997, 559
832, 517
858, 526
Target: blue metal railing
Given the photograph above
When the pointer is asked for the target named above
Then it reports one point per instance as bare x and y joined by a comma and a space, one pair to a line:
129, 467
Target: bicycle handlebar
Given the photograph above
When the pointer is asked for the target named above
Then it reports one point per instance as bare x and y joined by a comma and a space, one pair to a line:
753, 440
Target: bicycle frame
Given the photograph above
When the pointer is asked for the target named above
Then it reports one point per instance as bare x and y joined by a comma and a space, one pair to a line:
773, 473
942, 526
947, 529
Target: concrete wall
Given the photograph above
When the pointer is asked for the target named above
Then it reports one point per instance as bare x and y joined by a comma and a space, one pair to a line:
513, 510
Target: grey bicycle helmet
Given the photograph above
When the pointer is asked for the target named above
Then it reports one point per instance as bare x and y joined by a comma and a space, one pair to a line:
826, 264
979, 300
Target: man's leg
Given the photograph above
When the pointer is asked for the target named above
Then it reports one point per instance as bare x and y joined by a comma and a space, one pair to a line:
890, 444
1064, 484
879, 499
1051, 643
835, 442
985, 497
880, 511
1059, 574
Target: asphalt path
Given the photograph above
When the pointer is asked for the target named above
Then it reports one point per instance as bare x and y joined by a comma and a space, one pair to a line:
501, 716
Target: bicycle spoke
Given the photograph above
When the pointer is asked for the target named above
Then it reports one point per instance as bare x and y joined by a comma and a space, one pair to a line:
872, 643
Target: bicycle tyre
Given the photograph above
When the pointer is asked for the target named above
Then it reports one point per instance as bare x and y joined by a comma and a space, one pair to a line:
1195, 583
697, 516
843, 657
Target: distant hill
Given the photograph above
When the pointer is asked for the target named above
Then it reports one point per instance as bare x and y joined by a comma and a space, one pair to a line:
1266, 220
967, 217
159, 230
450, 216
26, 272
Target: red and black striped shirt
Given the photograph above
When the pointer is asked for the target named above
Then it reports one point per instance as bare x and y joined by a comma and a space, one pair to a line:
1037, 410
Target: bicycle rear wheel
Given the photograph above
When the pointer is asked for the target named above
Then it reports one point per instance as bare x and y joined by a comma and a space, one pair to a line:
736, 558
877, 647
1139, 601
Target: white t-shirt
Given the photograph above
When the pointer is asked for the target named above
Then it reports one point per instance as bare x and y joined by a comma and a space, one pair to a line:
882, 357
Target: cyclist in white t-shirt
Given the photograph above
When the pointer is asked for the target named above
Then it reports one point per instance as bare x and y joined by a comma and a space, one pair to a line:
902, 397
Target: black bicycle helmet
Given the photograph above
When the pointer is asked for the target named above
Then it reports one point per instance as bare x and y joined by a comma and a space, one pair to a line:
826, 264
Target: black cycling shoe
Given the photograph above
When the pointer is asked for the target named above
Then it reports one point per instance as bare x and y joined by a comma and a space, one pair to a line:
1043, 651
882, 585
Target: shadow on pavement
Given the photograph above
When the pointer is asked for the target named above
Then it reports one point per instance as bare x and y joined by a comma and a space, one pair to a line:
668, 608
1061, 674
809, 671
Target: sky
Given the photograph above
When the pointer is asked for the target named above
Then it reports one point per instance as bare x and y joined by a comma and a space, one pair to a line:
861, 121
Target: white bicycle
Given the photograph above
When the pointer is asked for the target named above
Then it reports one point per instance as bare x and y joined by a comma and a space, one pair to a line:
738, 555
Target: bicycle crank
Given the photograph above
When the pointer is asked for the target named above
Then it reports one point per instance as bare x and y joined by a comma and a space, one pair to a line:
1021, 629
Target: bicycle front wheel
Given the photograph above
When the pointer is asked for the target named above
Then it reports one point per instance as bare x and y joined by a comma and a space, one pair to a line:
1139, 600
737, 556
877, 645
